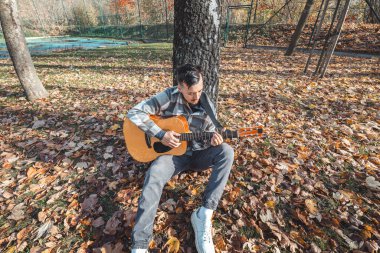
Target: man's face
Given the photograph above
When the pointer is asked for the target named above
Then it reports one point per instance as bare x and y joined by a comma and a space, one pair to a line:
192, 94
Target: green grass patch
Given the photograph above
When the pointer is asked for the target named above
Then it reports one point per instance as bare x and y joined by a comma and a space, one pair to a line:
321, 243
249, 232
108, 204
18, 226
327, 204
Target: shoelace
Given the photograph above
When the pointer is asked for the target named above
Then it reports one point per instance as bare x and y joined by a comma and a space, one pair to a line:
207, 232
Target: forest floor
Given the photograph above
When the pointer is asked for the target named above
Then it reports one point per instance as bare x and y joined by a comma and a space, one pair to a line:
67, 183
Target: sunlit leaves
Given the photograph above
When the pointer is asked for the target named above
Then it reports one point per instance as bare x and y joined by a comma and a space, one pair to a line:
312, 185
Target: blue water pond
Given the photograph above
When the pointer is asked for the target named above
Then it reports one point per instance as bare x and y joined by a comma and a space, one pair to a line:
45, 45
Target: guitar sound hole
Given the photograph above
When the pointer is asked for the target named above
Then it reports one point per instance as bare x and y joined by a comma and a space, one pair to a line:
160, 148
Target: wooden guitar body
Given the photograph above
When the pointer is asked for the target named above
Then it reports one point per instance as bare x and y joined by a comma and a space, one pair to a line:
146, 149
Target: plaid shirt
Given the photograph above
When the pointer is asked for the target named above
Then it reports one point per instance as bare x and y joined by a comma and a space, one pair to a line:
172, 103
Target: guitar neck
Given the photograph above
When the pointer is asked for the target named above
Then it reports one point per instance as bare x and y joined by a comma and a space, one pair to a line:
227, 134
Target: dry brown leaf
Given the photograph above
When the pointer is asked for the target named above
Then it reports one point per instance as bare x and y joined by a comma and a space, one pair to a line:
295, 235
346, 130
106, 248
257, 228
172, 244
113, 185
171, 232
311, 206
23, 233
234, 194
365, 234
7, 165
118, 248
89, 203
36, 249
17, 212
375, 160
98, 222
301, 216
220, 244
51, 245
47, 180
352, 244
31, 172
42, 216
111, 226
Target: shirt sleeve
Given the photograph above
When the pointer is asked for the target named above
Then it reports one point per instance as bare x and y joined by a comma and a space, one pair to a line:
160, 135
139, 114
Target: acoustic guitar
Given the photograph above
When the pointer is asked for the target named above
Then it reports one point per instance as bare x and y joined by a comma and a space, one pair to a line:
144, 148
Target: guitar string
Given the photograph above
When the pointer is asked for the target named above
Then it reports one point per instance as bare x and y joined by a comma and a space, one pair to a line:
207, 135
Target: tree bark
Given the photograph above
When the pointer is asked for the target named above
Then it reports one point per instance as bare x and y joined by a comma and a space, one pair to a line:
19, 52
370, 16
196, 39
301, 24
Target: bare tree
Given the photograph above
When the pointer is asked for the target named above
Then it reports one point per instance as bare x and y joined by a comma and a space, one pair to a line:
372, 14
301, 24
19, 52
196, 39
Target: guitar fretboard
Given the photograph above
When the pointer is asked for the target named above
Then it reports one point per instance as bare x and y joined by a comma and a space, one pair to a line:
228, 134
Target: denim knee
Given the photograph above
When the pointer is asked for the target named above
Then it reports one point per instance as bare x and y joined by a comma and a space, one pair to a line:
227, 151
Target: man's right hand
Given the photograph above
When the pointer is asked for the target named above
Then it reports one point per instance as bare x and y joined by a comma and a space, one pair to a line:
170, 139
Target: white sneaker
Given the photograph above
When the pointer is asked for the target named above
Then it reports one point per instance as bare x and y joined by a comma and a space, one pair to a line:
203, 235
139, 251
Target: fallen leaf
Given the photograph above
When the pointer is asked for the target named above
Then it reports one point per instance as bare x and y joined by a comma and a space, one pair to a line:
352, 244
220, 244
346, 130
31, 172
172, 244
11, 249
270, 204
115, 127
266, 215
98, 222
89, 203
81, 165
17, 212
43, 230
38, 124
7, 165
311, 206
23, 233
111, 226
372, 183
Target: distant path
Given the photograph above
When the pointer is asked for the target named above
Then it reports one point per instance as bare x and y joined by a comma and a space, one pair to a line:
304, 50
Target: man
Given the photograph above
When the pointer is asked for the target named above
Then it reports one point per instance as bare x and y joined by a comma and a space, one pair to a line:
185, 99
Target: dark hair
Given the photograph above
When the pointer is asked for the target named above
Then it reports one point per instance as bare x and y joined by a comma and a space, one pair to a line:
189, 74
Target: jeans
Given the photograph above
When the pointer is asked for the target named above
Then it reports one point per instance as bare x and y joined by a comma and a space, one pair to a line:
218, 158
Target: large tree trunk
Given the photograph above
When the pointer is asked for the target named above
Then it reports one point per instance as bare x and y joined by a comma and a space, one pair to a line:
196, 39
18, 50
301, 24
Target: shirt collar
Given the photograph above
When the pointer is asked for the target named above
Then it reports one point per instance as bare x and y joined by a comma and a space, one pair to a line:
175, 90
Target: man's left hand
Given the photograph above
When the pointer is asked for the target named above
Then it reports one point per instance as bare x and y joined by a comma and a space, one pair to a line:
216, 139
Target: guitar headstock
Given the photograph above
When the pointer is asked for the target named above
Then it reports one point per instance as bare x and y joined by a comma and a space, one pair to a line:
251, 131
